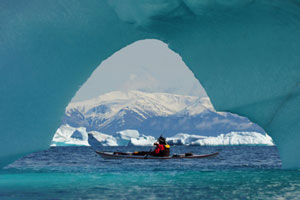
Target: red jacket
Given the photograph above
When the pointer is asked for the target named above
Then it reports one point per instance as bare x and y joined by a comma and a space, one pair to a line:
159, 148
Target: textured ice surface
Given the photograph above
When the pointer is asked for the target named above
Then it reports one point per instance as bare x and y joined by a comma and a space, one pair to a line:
183, 139
233, 138
123, 137
236, 138
245, 53
63, 137
104, 139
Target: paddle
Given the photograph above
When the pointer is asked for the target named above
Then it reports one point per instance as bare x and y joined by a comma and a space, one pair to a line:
146, 156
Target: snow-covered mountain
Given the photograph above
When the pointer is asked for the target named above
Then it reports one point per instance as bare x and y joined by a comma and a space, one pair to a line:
153, 114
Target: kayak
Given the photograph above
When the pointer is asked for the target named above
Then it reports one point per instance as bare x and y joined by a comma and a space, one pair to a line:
120, 155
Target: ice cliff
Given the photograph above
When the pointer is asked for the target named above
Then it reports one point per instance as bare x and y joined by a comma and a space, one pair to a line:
244, 52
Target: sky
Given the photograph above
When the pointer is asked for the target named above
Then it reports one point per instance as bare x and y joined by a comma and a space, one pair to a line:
146, 65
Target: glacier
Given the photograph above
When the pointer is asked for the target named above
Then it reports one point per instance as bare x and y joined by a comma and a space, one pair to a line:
244, 52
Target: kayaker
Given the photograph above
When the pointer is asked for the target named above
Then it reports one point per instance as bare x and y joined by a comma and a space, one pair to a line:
162, 148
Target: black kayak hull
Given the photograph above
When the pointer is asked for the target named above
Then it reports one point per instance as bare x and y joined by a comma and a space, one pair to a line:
129, 156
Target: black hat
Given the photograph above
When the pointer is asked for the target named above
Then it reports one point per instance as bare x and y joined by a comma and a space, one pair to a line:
162, 140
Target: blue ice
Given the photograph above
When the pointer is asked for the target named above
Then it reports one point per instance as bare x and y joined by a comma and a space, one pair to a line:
245, 53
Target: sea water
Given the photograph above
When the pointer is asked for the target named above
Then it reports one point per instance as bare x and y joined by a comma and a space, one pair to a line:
238, 172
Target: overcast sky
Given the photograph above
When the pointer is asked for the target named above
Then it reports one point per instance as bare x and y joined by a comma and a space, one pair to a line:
147, 65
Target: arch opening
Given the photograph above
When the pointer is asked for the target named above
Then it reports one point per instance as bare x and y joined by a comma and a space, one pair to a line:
147, 87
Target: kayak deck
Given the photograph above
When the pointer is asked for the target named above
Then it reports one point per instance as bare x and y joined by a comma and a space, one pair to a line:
130, 156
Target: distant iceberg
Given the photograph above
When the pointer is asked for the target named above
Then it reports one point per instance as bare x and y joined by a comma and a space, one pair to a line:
123, 137
232, 138
184, 139
236, 138
104, 139
64, 136
143, 140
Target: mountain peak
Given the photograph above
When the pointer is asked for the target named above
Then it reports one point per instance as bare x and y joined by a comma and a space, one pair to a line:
152, 113
161, 103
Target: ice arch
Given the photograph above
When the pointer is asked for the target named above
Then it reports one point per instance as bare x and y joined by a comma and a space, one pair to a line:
244, 52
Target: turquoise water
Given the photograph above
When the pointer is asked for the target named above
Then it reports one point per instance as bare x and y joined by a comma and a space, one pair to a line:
78, 173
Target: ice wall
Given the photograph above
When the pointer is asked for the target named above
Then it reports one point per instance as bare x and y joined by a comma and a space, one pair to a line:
47, 50
244, 52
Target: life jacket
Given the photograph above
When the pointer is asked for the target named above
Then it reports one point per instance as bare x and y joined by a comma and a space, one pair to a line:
166, 152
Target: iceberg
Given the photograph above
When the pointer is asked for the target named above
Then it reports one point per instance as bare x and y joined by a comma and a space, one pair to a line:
63, 136
232, 138
142, 141
183, 139
245, 53
123, 137
133, 137
236, 138
103, 139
